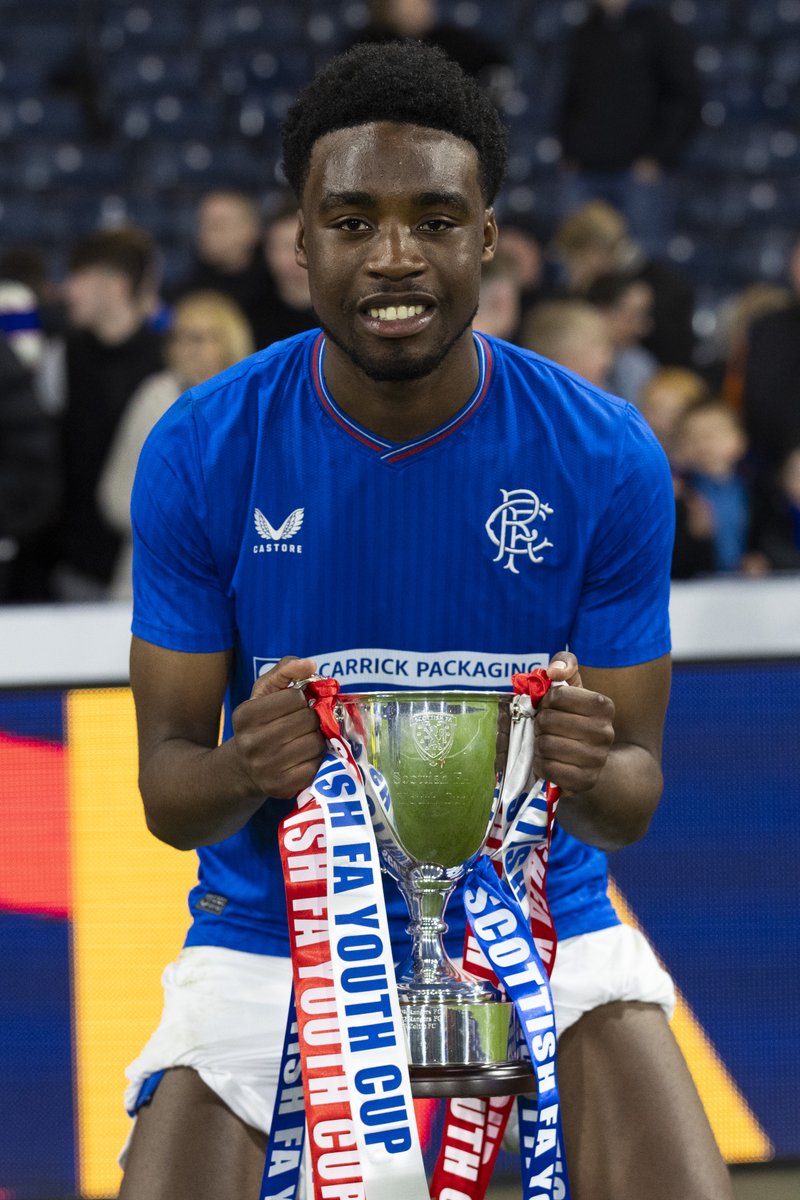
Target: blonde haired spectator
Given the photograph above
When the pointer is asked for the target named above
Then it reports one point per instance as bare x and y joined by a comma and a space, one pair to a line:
591, 240
664, 399
209, 334
500, 299
572, 333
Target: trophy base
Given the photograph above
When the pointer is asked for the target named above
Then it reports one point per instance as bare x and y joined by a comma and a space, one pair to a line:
500, 1079
464, 1049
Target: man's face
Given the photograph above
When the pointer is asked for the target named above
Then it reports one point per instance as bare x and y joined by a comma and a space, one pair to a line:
411, 18
393, 231
92, 293
613, 6
227, 231
631, 318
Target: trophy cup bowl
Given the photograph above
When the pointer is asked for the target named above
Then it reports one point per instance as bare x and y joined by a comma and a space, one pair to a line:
433, 763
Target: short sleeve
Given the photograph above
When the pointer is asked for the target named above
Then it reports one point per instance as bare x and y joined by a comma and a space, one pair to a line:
179, 600
623, 614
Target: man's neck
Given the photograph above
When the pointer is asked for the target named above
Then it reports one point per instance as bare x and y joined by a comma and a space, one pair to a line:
402, 411
114, 328
235, 265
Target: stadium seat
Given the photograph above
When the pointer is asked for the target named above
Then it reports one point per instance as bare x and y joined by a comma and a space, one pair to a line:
703, 18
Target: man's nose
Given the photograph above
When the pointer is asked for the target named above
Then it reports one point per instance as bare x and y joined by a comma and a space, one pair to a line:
395, 252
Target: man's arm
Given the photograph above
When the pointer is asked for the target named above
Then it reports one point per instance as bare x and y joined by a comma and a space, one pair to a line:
195, 790
599, 740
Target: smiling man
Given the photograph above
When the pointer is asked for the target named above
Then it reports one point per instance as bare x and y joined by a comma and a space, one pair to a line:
402, 503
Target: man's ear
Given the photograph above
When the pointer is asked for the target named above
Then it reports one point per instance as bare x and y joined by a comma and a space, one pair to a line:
489, 236
300, 242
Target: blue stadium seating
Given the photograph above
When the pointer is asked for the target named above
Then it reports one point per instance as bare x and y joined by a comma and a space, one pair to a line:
196, 90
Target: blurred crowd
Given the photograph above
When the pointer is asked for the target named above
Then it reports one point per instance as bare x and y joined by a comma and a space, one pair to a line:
90, 360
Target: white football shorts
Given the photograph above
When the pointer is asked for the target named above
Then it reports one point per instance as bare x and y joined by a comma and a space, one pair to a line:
225, 1011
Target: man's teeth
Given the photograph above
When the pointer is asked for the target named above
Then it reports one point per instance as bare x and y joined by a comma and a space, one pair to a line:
401, 313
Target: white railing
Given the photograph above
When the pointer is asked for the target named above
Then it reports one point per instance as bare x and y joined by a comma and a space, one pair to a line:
73, 644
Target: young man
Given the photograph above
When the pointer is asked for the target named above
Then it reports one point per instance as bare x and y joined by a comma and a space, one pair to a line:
397, 500
111, 350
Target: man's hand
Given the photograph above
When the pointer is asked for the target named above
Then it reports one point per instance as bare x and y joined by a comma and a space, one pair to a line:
574, 730
277, 737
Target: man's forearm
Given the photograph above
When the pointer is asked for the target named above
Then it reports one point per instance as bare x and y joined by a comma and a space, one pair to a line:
195, 795
618, 809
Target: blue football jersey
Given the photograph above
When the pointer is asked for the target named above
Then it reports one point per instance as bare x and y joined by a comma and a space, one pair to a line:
266, 520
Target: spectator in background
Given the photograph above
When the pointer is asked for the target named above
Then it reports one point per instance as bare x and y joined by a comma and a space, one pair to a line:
588, 242
626, 305
500, 299
228, 253
772, 372
209, 334
20, 321
27, 265
710, 450
285, 305
521, 240
726, 372
29, 476
665, 398
631, 102
111, 350
776, 513
594, 240
420, 19
573, 334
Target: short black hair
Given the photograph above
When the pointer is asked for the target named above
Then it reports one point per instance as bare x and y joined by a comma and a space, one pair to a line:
403, 81
130, 251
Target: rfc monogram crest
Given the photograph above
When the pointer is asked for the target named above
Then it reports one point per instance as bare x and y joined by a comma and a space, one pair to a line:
515, 527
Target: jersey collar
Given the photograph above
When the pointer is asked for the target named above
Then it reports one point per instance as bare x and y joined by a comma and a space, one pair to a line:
391, 452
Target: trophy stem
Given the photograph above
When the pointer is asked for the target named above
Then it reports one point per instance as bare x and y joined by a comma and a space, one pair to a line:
428, 975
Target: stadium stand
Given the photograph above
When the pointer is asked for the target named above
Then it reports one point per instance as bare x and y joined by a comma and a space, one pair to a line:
195, 94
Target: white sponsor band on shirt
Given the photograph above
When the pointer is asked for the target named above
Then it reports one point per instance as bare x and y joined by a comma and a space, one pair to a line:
381, 667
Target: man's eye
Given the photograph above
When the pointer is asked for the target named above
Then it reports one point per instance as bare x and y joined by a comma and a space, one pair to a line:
353, 224
436, 225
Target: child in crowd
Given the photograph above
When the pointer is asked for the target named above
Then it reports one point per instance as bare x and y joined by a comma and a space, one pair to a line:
572, 333
626, 304
664, 399
500, 300
710, 446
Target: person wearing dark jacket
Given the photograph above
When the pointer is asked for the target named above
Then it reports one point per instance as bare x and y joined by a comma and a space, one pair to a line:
29, 478
228, 255
631, 101
771, 395
776, 516
389, 20
112, 348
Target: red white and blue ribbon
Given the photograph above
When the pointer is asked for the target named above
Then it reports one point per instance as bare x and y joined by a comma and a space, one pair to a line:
348, 1030
519, 847
363, 1137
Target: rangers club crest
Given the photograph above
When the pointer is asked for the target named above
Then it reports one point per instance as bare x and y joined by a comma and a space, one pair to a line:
515, 527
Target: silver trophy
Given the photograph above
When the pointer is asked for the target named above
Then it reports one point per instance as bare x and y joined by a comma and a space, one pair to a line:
433, 764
